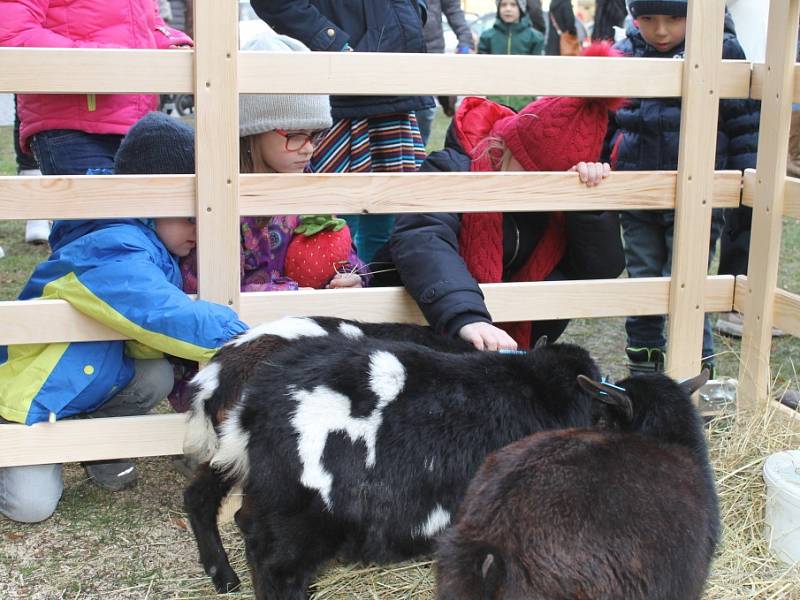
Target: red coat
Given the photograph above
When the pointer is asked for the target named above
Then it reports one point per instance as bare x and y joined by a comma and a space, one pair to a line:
84, 24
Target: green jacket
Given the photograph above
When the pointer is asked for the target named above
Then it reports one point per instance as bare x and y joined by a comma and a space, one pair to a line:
514, 38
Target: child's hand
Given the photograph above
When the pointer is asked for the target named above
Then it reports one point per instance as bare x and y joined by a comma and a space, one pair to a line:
592, 173
344, 280
485, 336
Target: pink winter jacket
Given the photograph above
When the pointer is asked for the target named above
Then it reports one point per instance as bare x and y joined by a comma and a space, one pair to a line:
84, 24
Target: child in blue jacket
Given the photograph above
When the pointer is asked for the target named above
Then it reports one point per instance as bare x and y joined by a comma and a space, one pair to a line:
644, 135
124, 274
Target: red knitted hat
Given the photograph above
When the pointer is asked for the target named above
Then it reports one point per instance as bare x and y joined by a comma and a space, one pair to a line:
555, 133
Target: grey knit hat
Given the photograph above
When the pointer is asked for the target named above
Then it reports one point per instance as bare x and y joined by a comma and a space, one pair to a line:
521, 3
676, 8
264, 112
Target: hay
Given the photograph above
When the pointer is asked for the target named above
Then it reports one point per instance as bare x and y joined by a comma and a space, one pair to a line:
744, 567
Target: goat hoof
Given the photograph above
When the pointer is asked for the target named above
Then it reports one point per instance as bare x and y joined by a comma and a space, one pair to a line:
226, 582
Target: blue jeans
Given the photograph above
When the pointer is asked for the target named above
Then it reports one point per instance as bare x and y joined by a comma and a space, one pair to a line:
648, 236
30, 494
73, 152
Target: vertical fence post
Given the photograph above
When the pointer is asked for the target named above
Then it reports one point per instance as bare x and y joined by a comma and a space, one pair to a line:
216, 24
765, 242
695, 186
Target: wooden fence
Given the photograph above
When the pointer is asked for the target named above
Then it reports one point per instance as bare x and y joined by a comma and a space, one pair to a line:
215, 72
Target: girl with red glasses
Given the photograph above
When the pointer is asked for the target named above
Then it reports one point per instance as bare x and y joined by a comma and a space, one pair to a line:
278, 134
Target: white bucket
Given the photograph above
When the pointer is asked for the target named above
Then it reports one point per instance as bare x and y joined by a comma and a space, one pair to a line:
782, 513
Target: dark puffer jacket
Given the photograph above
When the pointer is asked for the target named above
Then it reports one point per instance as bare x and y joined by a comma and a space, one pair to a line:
644, 135
367, 26
424, 249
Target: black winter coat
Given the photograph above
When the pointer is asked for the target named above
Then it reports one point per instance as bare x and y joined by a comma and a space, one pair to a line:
367, 26
561, 11
424, 249
644, 135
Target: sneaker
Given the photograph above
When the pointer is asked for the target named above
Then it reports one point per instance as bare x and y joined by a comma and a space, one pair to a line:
37, 231
732, 324
790, 398
113, 475
645, 360
29, 173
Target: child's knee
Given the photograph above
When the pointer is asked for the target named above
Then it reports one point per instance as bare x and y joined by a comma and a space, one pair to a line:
157, 379
30, 494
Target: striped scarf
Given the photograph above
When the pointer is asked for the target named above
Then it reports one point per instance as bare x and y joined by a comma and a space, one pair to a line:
383, 144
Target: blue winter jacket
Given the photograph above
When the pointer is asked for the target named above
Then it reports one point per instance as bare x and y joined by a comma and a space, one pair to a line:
118, 273
644, 135
364, 25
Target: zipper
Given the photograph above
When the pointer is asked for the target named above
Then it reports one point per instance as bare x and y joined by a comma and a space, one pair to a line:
91, 102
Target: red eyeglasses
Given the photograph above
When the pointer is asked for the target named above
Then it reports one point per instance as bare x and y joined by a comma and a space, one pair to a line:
295, 140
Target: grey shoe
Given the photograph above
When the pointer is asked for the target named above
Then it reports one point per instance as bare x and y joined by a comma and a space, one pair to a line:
790, 398
732, 324
113, 475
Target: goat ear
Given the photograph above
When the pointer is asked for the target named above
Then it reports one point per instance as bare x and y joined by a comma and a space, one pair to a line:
690, 386
491, 572
608, 394
540, 343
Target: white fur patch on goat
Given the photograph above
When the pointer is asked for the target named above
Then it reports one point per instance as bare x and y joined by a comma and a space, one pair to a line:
387, 376
200, 439
322, 411
289, 328
232, 457
351, 331
436, 521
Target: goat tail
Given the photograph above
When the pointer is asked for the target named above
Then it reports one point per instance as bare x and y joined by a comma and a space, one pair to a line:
201, 440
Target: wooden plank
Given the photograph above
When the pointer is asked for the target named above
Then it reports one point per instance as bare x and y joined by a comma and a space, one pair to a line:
94, 197
85, 197
52, 70
759, 72
356, 73
765, 245
786, 312
734, 79
698, 135
436, 74
80, 71
58, 321
791, 193
217, 150
466, 192
75, 440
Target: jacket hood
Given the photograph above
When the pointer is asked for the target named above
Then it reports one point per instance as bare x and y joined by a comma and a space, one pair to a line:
640, 45
67, 231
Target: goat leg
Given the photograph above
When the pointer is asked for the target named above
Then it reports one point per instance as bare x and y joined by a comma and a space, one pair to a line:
202, 500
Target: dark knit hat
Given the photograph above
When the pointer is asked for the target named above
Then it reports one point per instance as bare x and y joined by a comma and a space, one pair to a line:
554, 133
156, 144
676, 8
522, 4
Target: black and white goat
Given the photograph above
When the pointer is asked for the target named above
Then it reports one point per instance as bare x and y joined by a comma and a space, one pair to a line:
594, 514
361, 447
218, 386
